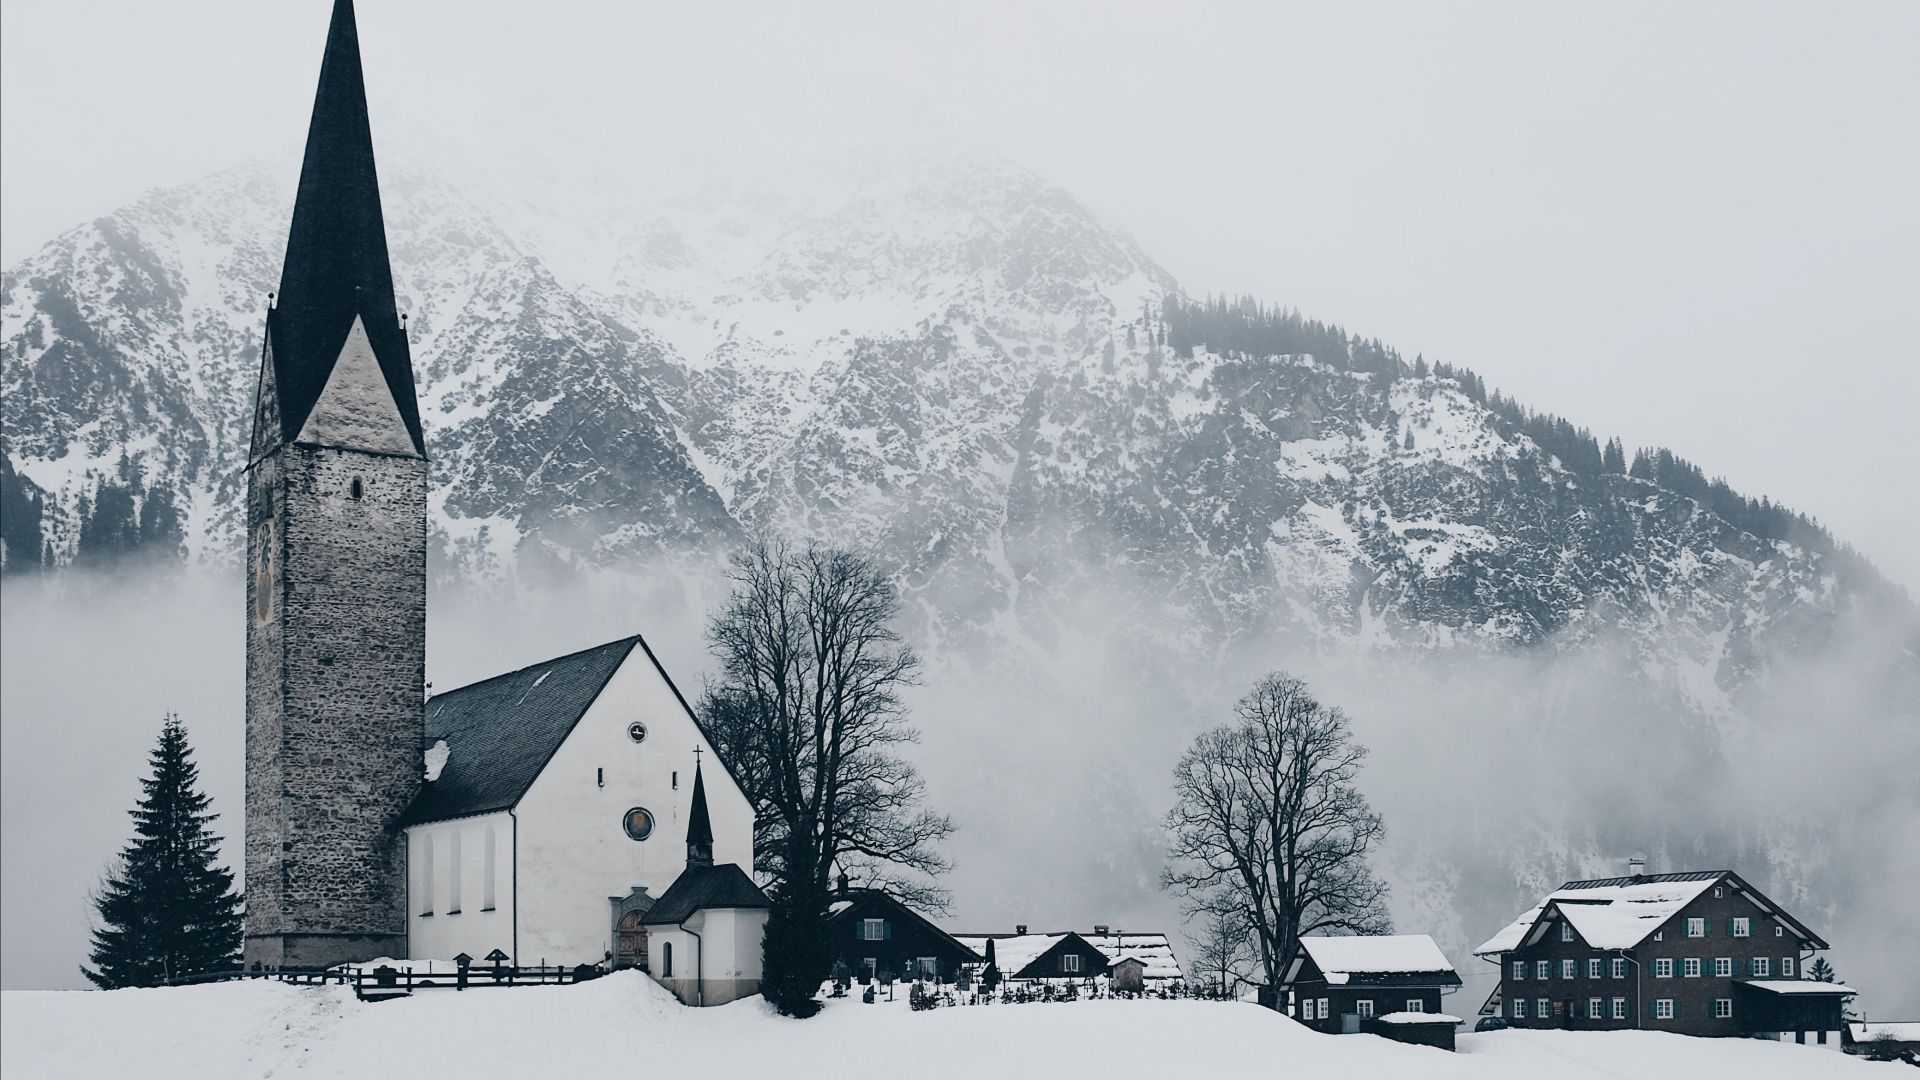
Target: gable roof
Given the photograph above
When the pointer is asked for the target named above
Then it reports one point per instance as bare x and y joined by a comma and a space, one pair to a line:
1621, 912
1153, 950
1015, 953
702, 888
501, 732
862, 901
1382, 959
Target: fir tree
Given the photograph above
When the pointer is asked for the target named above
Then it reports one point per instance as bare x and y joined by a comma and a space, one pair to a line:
1820, 970
795, 957
167, 909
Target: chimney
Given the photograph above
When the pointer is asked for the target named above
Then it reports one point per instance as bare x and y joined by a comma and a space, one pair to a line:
1100, 929
842, 883
1020, 928
1637, 867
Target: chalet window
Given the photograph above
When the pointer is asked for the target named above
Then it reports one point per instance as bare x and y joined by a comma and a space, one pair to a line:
1364, 1006
1659, 935
1519, 1008
1306, 1009
1325, 1011
1070, 963
1722, 1008
666, 959
1619, 1008
1723, 967
873, 929
1663, 1009
1542, 1008
929, 967
1786, 967
1596, 1009
1718, 892
1543, 969
1779, 931
1519, 970
1690, 967
1663, 968
1743, 928
1569, 968
1619, 967
1416, 1005
1593, 968
1762, 967
1696, 928
1566, 931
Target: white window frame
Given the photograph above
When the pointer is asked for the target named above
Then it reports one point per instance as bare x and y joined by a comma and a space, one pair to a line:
1619, 1008
1326, 1009
1543, 1008
1663, 1009
1364, 1006
1742, 927
1416, 1005
1762, 967
1690, 967
1596, 1008
1723, 967
873, 929
1543, 970
1306, 1009
1070, 963
1723, 1008
1519, 1009
1595, 968
1786, 967
1619, 967
1663, 967
929, 967
1519, 971
1779, 931
1569, 969
1566, 931
1696, 924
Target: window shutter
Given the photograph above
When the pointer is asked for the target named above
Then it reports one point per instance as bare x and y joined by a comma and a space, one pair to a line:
1729, 926
1706, 927
886, 930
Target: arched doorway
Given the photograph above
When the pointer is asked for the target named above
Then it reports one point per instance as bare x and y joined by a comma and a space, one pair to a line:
630, 942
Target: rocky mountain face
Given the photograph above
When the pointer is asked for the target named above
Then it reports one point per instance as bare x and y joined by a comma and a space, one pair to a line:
954, 365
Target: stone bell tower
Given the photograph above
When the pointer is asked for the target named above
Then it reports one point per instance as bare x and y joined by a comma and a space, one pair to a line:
337, 561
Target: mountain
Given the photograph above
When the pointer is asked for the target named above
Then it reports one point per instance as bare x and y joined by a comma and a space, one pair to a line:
1117, 499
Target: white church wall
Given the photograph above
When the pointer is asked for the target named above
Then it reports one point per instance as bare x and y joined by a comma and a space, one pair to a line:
460, 887
717, 962
574, 850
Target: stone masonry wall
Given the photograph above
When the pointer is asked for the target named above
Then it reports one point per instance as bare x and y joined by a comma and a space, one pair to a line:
336, 674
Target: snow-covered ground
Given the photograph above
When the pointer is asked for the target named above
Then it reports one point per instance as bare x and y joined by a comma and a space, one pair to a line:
626, 1025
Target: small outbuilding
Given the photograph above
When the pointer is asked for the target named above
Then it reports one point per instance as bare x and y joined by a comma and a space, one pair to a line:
1128, 973
1388, 985
703, 935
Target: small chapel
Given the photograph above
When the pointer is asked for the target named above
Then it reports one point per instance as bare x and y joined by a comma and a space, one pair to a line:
571, 812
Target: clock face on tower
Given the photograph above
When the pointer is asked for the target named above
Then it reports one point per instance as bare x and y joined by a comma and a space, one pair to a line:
263, 568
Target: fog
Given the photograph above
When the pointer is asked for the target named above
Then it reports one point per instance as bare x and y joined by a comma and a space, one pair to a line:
1499, 774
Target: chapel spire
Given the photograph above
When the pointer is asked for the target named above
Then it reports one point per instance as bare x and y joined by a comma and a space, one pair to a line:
337, 273
699, 825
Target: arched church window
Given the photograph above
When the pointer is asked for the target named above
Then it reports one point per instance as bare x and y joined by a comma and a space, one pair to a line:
666, 959
486, 886
426, 874
638, 823
453, 873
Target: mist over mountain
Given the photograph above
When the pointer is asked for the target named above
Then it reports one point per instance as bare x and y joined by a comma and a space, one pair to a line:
1111, 507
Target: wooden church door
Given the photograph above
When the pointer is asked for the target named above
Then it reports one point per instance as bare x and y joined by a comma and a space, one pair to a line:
630, 942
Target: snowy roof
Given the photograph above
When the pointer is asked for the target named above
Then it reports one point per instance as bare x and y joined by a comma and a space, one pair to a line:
1341, 958
703, 888
1617, 913
1417, 1018
1011, 952
1902, 1031
1797, 986
1153, 950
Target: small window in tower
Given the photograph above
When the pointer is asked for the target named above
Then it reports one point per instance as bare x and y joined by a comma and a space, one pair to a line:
356, 489
638, 823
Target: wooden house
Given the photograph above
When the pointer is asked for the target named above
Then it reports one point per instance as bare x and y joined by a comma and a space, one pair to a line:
1388, 985
877, 936
1059, 955
1695, 953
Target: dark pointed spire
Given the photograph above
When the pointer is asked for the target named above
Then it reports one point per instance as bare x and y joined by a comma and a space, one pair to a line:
699, 825
336, 265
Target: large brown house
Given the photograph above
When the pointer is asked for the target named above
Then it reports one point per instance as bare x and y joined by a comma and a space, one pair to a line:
877, 936
1696, 953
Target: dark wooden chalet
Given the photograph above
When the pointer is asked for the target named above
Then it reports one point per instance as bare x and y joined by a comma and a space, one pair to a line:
1696, 953
1060, 955
877, 936
1388, 985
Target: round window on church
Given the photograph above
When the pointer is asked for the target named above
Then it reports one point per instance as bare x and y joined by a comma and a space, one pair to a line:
637, 731
638, 823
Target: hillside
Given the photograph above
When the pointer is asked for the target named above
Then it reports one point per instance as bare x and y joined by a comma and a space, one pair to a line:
626, 1022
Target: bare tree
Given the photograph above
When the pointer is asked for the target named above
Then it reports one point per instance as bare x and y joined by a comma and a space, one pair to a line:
807, 711
1221, 953
1268, 827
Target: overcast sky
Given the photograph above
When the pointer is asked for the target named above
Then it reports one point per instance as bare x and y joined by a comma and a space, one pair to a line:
1692, 224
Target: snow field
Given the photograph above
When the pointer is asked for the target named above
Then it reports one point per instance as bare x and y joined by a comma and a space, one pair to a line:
627, 1025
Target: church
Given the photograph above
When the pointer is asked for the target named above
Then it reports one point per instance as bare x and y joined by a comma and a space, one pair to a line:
571, 812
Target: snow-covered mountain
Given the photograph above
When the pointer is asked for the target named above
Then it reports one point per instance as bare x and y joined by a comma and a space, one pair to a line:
950, 362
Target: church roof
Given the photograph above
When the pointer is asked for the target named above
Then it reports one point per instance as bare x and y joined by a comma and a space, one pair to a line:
699, 822
500, 732
336, 266
700, 888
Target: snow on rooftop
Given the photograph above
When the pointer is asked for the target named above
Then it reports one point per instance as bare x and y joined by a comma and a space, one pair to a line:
436, 759
1903, 1030
1417, 1018
1153, 950
1606, 916
1012, 952
1385, 954
1799, 986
